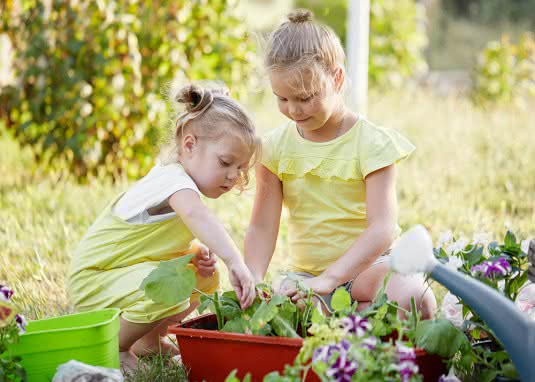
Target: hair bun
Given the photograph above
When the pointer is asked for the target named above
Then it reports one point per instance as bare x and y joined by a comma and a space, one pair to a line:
300, 16
194, 97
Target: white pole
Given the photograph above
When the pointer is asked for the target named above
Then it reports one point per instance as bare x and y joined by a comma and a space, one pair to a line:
358, 32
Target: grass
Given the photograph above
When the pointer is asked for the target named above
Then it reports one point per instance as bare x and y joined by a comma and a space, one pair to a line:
473, 171
161, 368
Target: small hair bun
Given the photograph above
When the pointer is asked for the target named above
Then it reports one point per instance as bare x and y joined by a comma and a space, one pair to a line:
300, 16
194, 97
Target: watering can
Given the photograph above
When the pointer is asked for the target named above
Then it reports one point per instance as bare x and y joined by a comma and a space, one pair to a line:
414, 253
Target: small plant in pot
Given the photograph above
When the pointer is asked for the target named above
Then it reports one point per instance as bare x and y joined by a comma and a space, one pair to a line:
11, 326
503, 267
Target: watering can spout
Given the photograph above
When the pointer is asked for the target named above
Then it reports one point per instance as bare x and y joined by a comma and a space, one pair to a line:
414, 253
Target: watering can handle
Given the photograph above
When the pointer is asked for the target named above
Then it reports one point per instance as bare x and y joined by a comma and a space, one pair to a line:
531, 259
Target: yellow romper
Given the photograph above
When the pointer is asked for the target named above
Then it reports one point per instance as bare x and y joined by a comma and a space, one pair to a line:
324, 189
115, 256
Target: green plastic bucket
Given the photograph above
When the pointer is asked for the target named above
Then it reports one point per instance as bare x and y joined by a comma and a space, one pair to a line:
89, 337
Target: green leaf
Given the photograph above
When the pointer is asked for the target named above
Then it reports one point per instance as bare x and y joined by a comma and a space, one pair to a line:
440, 337
230, 309
232, 376
283, 328
274, 376
237, 325
510, 239
317, 315
341, 300
279, 299
171, 282
474, 256
264, 314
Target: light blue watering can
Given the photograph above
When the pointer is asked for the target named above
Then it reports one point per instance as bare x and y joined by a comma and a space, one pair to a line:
414, 253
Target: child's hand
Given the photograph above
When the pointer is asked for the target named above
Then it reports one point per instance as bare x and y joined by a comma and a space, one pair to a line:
242, 281
320, 285
204, 260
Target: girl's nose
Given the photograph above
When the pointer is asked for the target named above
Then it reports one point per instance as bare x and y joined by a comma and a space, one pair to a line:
233, 174
294, 110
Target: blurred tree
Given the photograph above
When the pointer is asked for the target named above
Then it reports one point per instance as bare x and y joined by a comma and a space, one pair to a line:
397, 36
89, 74
493, 10
505, 72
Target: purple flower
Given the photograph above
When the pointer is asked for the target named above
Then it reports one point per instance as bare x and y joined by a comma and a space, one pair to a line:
407, 369
342, 370
356, 325
369, 342
5, 293
405, 353
498, 267
21, 323
324, 353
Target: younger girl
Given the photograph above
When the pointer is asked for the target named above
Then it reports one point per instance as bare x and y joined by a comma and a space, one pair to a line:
157, 219
333, 170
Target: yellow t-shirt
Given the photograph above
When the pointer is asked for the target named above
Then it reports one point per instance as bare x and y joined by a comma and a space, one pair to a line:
324, 188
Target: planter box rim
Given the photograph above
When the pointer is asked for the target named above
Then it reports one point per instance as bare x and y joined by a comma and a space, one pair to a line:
183, 330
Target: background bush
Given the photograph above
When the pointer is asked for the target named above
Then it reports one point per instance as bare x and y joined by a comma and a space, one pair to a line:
89, 74
506, 71
493, 10
397, 36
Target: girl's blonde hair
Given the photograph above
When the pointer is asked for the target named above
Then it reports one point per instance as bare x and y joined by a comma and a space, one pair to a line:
204, 108
304, 46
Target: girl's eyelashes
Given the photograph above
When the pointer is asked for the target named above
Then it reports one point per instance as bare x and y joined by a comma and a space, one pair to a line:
224, 163
306, 99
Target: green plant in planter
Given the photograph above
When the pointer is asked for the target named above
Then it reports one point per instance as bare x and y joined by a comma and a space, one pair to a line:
333, 343
346, 346
11, 325
503, 267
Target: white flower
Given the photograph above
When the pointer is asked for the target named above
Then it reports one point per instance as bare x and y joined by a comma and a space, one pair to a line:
118, 81
444, 238
118, 101
454, 262
457, 246
481, 238
86, 109
525, 246
86, 90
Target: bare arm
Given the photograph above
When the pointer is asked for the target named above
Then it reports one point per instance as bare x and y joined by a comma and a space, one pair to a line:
207, 228
381, 206
261, 236
204, 225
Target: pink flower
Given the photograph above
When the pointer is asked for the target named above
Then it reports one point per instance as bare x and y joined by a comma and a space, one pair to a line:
5, 293
21, 323
407, 369
498, 267
356, 325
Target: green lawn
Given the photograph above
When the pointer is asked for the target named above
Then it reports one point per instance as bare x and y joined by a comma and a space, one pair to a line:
473, 171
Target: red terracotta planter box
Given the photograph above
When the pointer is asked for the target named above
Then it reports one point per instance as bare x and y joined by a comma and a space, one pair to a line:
210, 355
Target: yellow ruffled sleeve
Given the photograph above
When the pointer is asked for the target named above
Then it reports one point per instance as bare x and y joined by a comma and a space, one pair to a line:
270, 152
380, 147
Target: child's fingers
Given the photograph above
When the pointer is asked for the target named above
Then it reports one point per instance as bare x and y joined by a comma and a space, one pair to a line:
207, 263
204, 253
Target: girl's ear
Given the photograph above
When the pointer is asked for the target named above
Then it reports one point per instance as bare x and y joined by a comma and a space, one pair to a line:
339, 79
188, 143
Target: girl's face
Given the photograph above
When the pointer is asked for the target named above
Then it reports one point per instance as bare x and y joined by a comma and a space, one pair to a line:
309, 111
214, 164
